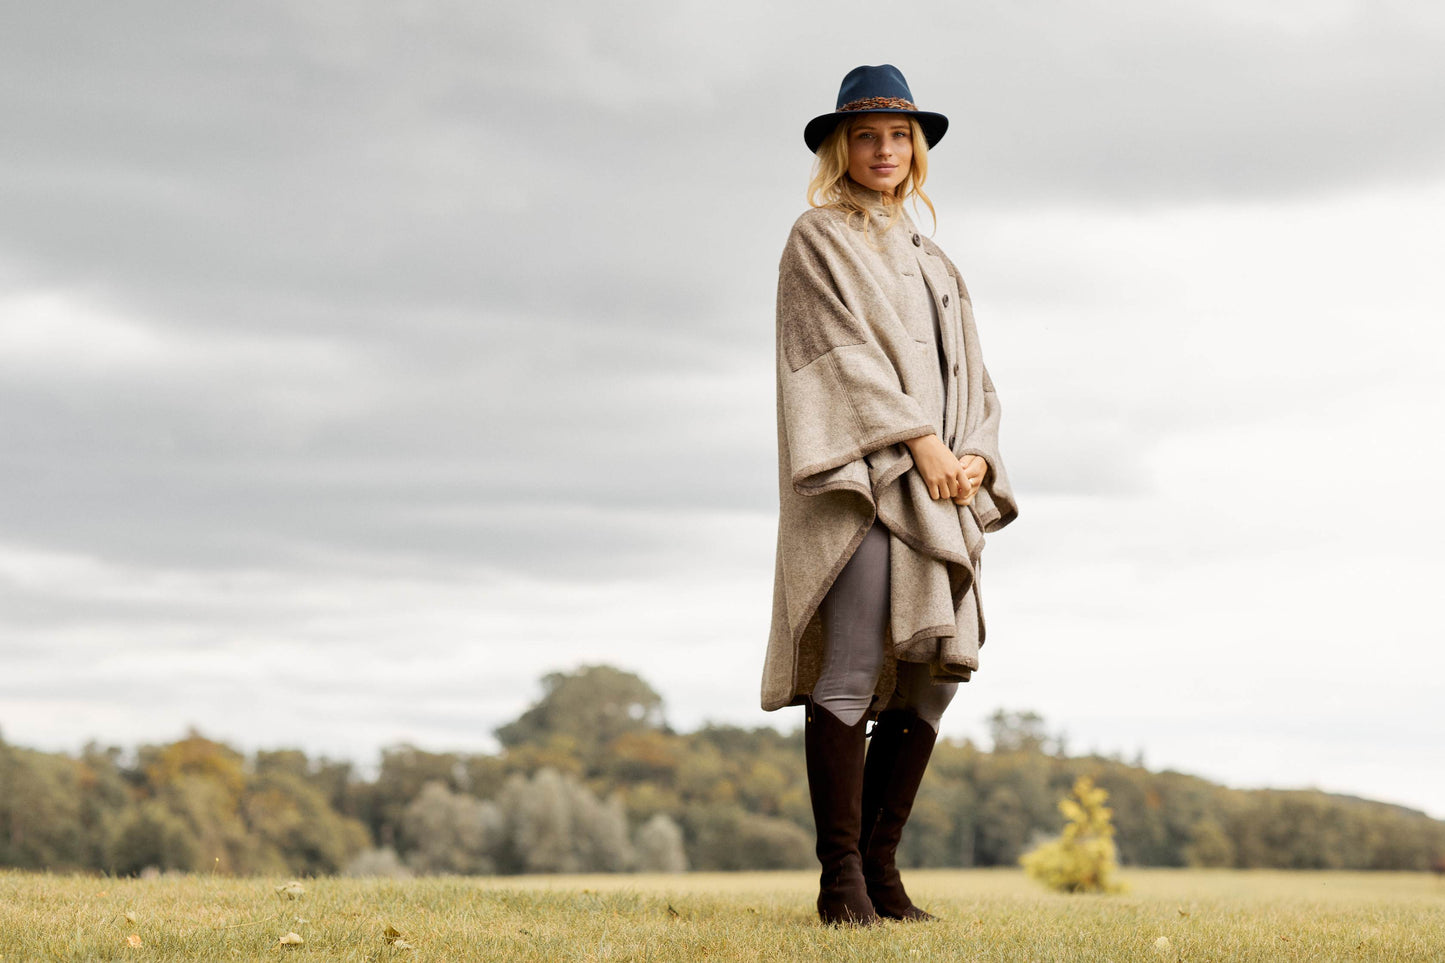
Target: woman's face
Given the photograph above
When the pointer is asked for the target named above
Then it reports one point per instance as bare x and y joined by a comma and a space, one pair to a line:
880, 150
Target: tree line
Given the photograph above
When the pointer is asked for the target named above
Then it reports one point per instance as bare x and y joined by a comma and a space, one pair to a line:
591, 778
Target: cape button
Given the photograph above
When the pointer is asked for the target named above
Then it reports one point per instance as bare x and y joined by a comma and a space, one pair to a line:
945, 300
955, 368
917, 241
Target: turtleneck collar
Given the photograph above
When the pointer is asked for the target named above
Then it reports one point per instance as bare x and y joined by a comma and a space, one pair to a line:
872, 200
876, 205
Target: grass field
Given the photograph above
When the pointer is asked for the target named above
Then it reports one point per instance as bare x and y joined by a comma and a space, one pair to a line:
988, 915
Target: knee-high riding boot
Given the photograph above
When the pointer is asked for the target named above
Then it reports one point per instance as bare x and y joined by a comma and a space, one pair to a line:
835, 755
898, 753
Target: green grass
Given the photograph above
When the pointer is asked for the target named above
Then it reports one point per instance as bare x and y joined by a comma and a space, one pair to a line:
987, 915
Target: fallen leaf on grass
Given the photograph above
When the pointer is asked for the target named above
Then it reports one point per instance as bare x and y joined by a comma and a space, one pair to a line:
292, 889
133, 940
1161, 945
291, 939
393, 936
671, 911
129, 916
1182, 911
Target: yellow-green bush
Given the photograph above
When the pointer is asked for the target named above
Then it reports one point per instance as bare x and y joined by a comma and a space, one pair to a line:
1083, 859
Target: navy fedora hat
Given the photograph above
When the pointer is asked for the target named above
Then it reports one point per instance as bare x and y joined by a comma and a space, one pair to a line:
874, 90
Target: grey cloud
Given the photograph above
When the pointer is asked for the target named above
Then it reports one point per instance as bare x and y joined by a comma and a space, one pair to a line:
370, 157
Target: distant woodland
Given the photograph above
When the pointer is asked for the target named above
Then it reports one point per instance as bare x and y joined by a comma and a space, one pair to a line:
591, 778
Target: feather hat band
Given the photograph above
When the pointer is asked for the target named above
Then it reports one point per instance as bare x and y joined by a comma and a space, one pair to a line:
874, 90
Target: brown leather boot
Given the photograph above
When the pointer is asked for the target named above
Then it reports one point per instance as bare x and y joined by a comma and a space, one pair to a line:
835, 754
898, 753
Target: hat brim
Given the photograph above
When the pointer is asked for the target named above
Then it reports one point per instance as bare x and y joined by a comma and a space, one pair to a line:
817, 130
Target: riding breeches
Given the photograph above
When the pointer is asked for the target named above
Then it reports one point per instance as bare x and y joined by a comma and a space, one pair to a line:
855, 629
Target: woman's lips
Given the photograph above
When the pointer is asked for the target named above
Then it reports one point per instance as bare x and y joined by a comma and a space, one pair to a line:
884, 168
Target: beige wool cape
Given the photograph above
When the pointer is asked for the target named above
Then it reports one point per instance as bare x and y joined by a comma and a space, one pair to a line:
857, 374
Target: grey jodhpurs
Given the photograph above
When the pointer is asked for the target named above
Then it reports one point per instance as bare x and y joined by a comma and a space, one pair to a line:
855, 630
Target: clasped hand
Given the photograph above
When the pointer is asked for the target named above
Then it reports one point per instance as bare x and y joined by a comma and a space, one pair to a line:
947, 475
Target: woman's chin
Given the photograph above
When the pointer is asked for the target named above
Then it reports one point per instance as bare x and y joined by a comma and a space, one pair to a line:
878, 184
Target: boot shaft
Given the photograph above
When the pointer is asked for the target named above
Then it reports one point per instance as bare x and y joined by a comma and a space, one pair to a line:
897, 757
835, 754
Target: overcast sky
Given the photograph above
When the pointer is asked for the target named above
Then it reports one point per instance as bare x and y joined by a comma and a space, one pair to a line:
362, 363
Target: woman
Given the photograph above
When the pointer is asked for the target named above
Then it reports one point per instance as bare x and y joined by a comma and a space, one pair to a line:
888, 476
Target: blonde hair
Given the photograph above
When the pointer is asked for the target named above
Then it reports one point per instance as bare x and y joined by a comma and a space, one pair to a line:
837, 190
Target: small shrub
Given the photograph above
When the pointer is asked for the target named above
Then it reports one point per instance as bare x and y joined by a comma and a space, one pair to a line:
658, 845
1083, 859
